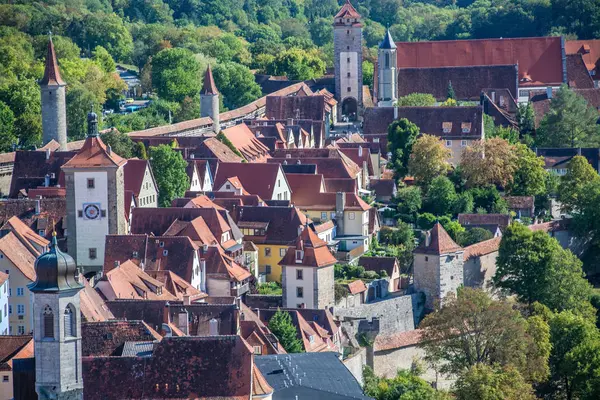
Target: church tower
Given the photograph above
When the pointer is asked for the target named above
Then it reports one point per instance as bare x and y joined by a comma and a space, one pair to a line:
94, 180
347, 47
209, 100
54, 116
57, 326
387, 72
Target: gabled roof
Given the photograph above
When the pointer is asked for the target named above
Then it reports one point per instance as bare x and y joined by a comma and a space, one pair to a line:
102, 339
176, 285
311, 183
539, 58
21, 257
482, 248
247, 173
387, 43
51, 71
134, 173
315, 252
201, 201
383, 187
376, 264
438, 243
520, 202
501, 220
590, 50
296, 107
327, 201
356, 287
158, 220
26, 235
219, 265
14, 347
246, 142
347, 11
334, 185
578, 75
283, 226
209, 87
212, 148
94, 153
92, 306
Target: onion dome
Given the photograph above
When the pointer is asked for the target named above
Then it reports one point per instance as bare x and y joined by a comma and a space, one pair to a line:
55, 271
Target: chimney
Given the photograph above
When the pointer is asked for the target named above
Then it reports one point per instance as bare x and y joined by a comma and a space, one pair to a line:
186, 299
47, 181
47, 154
166, 314
37, 207
289, 122
549, 92
395, 113
213, 327
427, 238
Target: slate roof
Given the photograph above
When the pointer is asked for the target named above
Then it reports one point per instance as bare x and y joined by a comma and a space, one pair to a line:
578, 75
387, 43
539, 58
51, 71
284, 223
439, 242
14, 347
315, 252
429, 120
209, 87
376, 264
310, 376
467, 81
247, 173
223, 362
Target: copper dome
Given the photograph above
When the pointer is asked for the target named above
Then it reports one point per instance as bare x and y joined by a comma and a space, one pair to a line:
55, 271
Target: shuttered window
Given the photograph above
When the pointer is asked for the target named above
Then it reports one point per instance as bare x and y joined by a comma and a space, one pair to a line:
48, 321
69, 322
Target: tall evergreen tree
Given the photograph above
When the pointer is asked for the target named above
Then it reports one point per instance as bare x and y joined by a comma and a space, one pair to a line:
282, 327
450, 94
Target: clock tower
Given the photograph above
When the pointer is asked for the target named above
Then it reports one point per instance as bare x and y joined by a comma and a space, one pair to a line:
94, 180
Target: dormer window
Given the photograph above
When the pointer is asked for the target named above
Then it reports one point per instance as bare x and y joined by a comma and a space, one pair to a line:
447, 127
465, 127
299, 256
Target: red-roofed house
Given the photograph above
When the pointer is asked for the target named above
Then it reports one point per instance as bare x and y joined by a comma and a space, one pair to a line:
590, 52
247, 143
307, 273
12, 348
140, 180
263, 179
200, 174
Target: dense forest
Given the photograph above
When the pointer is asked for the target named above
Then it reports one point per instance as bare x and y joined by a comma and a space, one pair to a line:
173, 41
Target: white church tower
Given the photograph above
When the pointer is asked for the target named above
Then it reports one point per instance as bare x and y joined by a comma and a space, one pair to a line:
57, 326
387, 72
95, 184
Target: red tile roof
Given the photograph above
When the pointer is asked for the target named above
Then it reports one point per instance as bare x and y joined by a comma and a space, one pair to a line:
502, 220
51, 71
15, 251
482, 248
135, 171
520, 202
334, 185
398, 340
92, 306
102, 339
315, 252
327, 201
296, 107
439, 242
578, 75
312, 183
247, 173
94, 153
283, 223
26, 235
14, 347
539, 58
158, 220
357, 286
246, 142
209, 86
590, 50
347, 11
176, 285
376, 264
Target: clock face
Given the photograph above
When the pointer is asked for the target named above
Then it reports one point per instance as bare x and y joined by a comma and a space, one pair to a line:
91, 211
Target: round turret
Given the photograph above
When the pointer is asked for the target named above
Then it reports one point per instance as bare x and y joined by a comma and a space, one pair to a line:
55, 271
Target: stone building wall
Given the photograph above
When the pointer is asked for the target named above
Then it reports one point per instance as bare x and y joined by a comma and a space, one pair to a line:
426, 277
348, 46
54, 116
325, 293
479, 271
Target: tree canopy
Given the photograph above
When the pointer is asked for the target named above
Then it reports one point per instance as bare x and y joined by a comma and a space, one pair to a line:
282, 327
402, 134
428, 159
169, 171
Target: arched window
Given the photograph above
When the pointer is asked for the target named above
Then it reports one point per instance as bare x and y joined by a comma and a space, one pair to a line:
48, 323
387, 60
70, 319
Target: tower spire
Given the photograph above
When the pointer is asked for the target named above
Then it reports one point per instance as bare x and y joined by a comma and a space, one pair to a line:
51, 72
209, 86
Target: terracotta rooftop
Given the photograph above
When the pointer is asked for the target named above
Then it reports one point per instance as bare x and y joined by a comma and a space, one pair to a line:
382, 187
246, 143
176, 285
311, 183
334, 185
31, 168
296, 107
501, 220
590, 51
376, 264
397, 340
102, 339
327, 201
439, 242
357, 286
247, 173
315, 252
342, 167
347, 11
541, 103
15, 251
51, 71
135, 171
539, 58
482, 248
26, 235
94, 153
520, 202
209, 87
578, 75
283, 226
14, 347
92, 306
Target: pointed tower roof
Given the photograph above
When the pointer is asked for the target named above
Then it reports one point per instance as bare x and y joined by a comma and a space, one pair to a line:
51, 72
209, 86
439, 242
387, 42
315, 252
347, 11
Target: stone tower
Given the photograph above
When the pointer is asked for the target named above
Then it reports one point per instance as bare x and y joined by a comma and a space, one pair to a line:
387, 72
54, 116
347, 47
209, 100
57, 326
438, 266
94, 180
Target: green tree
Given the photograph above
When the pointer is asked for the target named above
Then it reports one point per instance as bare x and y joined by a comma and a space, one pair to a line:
426, 220
428, 159
236, 84
450, 91
570, 122
321, 31
473, 235
175, 74
103, 58
406, 385
23, 98
491, 161
408, 200
402, 134
282, 327
570, 189
529, 178
484, 382
526, 119
120, 143
7, 126
368, 70
473, 329
79, 102
169, 167
533, 266
488, 199
441, 196
297, 64
106, 30
140, 151
416, 100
